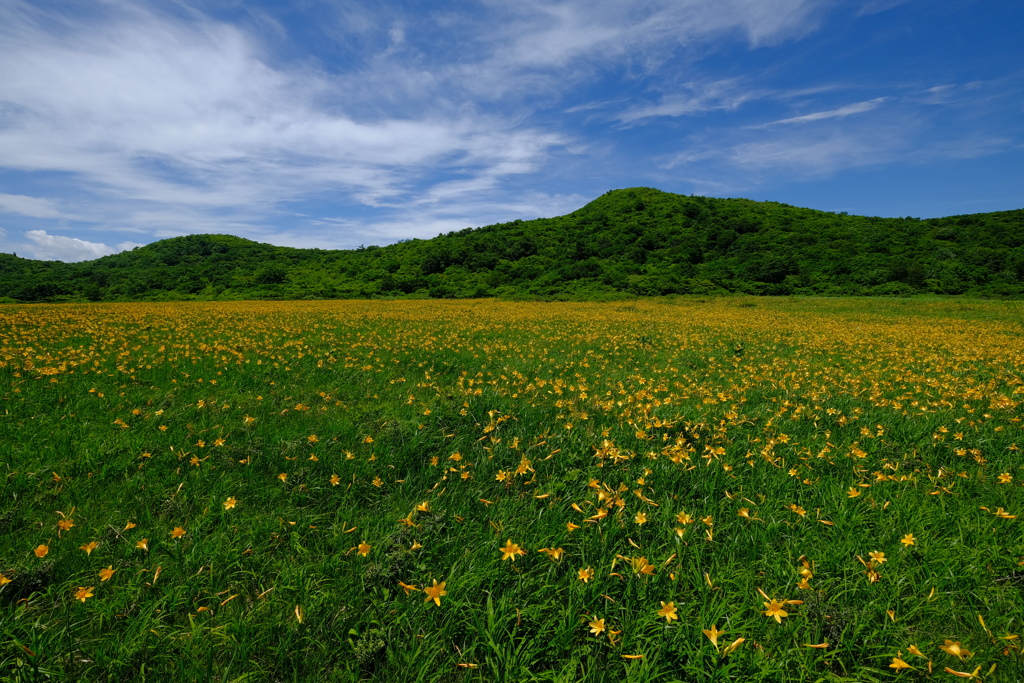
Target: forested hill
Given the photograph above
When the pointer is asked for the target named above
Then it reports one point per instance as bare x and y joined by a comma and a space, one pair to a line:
636, 241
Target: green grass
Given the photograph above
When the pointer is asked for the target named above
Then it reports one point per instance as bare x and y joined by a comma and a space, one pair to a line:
157, 414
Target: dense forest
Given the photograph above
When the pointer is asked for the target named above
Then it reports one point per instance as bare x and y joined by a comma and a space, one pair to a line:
632, 242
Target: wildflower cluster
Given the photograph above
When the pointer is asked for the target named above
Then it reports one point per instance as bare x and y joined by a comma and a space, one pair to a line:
505, 485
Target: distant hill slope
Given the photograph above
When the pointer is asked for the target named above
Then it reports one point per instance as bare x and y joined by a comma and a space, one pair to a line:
638, 241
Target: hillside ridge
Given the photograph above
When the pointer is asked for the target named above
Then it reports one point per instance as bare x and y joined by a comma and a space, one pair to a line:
628, 242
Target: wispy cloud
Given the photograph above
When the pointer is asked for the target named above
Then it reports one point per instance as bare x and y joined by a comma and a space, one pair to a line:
695, 98
160, 113
909, 126
554, 35
174, 122
34, 207
809, 146
877, 6
838, 113
342, 123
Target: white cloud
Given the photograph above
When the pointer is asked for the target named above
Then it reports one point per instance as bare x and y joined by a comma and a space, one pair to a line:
893, 129
170, 122
46, 247
34, 207
541, 33
807, 157
838, 113
876, 6
753, 155
696, 98
152, 110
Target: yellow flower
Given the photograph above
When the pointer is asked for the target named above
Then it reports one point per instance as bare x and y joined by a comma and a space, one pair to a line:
731, 647
283, 476
435, 592
107, 573
684, 518
963, 674
642, 566
89, 547
898, 664
571, 527
83, 594
1005, 478
335, 480
908, 540
312, 438
364, 548
65, 524
668, 610
554, 553
423, 507
585, 575
955, 649
407, 587
510, 551
177, 532
230, 503
143, 544
877, 555
915, 651
597, 626
41, 550
853, 492
775, 610
713, 634
641, 518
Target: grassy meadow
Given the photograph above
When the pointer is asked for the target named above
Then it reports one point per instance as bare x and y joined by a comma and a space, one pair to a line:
729, 489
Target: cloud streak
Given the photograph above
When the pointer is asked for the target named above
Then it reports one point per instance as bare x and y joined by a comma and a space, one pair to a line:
33, 207
838, 113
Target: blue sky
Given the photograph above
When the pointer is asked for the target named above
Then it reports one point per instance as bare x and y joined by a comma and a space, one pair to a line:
338, 123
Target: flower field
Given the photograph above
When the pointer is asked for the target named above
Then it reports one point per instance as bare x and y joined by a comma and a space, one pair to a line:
692, 490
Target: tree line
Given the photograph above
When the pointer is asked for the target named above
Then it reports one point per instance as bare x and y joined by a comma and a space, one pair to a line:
630, 242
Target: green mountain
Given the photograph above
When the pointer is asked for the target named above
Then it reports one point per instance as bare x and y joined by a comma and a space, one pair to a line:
638, 241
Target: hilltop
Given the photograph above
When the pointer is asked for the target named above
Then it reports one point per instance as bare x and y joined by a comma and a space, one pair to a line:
629, 242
